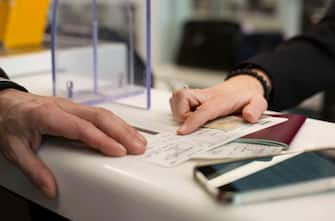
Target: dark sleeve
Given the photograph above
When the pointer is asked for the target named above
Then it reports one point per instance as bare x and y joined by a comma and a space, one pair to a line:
301, 66
5, 83
3, 74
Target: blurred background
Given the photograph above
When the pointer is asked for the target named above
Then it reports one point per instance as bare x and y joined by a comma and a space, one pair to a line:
194, 42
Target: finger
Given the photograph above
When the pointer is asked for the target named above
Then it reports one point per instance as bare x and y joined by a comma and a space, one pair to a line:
112, 126
186, 115
254, 110
194, 103
202, 115
181, 104
173, 108
24, 157
60, 123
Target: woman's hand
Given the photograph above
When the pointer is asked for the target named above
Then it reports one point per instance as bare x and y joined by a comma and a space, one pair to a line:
241, 94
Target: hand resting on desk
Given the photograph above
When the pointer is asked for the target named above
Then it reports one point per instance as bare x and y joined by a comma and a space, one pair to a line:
240, 94
25, 118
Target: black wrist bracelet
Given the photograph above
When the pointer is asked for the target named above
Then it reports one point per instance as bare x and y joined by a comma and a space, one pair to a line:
252, 73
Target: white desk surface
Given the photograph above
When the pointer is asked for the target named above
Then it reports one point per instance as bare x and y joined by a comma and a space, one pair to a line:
94, 187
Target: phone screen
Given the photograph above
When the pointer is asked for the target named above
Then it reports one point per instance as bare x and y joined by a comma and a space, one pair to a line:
300, 168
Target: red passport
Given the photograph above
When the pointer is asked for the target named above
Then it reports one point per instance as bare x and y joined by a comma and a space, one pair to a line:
278, 135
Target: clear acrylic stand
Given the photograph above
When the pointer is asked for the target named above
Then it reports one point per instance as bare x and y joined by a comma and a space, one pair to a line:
94, 51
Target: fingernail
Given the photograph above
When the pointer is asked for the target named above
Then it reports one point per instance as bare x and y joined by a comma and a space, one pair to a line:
252, 117
47, 191
182, 129
44, 189
141, 139
138, 147
139, 144
123, 149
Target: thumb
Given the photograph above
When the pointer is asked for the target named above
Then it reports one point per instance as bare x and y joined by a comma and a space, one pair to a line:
254, 110
40, 175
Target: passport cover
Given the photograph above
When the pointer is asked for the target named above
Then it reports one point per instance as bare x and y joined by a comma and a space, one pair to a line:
283, 133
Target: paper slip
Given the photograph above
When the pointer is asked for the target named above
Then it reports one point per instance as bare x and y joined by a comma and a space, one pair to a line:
239, 150
168, 149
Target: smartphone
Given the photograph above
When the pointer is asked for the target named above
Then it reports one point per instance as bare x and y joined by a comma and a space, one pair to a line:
267, 179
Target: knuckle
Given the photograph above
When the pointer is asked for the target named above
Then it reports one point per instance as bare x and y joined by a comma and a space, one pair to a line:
203, 108
81, 131
130, 131
181, 118
174, 93
99, 118
98, 115
102, 110
125, 129
83, 128
38, 112
102, 113
179, 94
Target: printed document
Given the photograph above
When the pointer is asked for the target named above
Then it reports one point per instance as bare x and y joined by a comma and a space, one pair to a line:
239, 150
168, 149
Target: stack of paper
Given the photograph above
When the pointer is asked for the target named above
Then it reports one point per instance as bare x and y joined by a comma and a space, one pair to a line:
168, 149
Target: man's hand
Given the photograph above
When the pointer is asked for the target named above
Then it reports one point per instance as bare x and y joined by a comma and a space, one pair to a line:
240, 94
25, 118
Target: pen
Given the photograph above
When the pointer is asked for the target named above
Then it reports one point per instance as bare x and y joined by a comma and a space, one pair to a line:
146, 131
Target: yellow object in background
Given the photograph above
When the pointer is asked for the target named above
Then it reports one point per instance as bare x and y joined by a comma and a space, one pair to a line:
22, 22
4, 10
